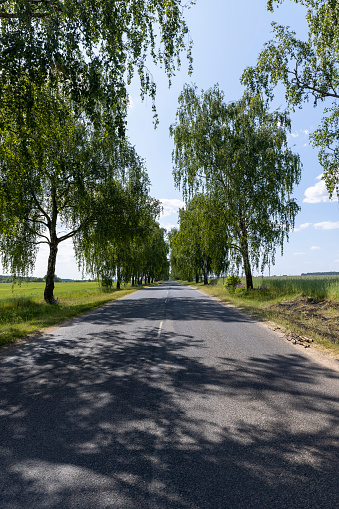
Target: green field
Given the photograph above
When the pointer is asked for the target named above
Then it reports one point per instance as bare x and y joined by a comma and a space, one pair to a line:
36, 290
23, 311
319, 287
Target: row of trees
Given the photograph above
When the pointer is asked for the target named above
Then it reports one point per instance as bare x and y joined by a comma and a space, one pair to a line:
237, 173
233, 158
140, 255
67, 169
67, 177
200, 245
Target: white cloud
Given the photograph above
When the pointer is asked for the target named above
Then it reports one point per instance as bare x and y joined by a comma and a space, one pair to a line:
317, 193
168, 226
296, 134
327, 225
298, 254
302, 227
315, 248
171, 206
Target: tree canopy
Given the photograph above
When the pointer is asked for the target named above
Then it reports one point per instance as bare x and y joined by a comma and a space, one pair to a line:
200, 244
237, 152
60, 176
308, 70
65, 162
94, 47
128, 243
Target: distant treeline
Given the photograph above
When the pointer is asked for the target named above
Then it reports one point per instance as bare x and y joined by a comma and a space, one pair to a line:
11, 279
31, 279
320, 274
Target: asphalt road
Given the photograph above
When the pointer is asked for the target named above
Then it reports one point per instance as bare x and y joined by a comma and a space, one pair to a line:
166, 399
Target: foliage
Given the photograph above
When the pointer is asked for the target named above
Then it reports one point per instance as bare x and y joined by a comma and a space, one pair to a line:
232, 282
237, 153
199, 246
92, 47
59, 170
308, 70
134, 245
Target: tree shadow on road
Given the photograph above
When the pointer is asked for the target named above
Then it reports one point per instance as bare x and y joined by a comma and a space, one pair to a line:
141, 423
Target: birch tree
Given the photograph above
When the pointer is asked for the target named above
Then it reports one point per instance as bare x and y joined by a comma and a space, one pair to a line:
238, 153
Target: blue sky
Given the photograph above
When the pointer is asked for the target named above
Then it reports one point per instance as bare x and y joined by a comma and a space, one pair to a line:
227, 38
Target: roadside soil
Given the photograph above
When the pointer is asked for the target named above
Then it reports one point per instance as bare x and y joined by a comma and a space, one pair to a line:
316, 318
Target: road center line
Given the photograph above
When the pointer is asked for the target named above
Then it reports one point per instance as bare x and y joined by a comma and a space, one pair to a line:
160, 327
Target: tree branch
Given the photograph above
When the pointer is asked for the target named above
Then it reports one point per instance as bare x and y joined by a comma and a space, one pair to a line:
37, 221
70, 234
41, 242
32, 231
315, 90
42, 210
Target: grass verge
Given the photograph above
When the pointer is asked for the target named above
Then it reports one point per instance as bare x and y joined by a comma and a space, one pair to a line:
300, 310
23, 311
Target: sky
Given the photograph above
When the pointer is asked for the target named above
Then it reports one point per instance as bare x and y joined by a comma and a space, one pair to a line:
227, 37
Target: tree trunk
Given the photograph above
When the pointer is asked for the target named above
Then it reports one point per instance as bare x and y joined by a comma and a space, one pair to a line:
118, 273
133, 280
53, 251
49, 287
197, 278
245, 256
205, 271
247, 268
149, 279
118, 277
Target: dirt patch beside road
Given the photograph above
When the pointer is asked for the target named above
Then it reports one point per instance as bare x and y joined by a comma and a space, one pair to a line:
314, 317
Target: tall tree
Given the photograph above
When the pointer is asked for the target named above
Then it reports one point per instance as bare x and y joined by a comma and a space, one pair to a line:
308, 69
86, 52
59, 174
238, 153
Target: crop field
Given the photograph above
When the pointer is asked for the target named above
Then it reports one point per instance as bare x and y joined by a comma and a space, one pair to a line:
23, 311
36, 290
319, 287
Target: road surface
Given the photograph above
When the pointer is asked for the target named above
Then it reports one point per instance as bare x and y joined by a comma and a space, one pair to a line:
166, 399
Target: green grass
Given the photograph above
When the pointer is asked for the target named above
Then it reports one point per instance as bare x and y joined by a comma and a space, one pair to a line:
319, 287
306, 305
23, 311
